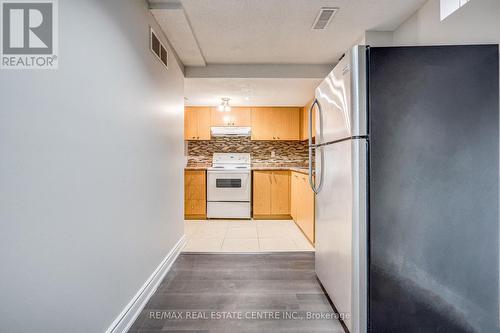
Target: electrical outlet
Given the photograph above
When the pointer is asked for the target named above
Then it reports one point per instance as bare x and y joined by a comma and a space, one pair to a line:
273, 153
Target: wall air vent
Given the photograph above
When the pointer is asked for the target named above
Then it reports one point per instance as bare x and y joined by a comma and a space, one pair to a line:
324, 18
158, 49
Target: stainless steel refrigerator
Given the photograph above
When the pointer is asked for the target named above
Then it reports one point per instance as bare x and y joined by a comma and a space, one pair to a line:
406, 175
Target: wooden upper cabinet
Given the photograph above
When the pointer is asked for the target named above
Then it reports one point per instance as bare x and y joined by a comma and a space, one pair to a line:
242, 117
204, 124
268, 123
304, 122
197, 123
261, 124
287, 123
190, 124
238, 116
276, 123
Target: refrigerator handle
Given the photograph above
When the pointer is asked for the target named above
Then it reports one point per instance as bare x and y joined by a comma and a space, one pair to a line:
319, 149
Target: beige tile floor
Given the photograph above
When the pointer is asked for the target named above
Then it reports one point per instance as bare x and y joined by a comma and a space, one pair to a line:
244, 236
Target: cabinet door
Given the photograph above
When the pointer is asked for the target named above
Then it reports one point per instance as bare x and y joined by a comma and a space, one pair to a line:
294, 195
262, 127
190, 123
218, 118
203, 114
306, 214
195, 209
195, 193
262, 192
280, 193
238, 116
287, 123
241, 117
275, 123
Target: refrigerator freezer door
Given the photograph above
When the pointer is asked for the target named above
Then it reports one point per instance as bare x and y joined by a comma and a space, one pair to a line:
342, 97
341, 230
434, 189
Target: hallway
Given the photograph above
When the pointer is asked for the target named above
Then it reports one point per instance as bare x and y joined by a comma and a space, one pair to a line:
240, 288
250, 166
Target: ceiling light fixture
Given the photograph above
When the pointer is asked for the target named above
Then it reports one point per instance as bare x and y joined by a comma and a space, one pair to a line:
224, 105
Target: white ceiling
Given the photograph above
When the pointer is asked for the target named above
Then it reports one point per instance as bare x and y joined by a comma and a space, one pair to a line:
265, 32
249, 92
279, 31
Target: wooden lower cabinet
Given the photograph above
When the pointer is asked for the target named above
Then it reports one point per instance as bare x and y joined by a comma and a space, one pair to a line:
195, 194
280, 193
294, 194
302, 204
271, 194
261, 193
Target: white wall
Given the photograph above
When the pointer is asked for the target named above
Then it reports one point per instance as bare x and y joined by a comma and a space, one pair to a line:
478, 21
91, 172
377, 38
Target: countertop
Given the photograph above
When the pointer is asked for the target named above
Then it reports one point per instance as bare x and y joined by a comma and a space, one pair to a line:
291, 168
263, 168
197, 167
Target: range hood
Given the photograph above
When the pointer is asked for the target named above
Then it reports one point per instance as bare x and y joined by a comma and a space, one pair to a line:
231, 131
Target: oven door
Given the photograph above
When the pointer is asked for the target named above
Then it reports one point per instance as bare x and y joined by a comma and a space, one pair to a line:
228, 186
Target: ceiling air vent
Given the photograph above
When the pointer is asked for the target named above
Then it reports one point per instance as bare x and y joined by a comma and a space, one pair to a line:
324, 18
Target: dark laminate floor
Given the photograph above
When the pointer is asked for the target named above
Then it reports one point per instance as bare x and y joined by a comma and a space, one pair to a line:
247, 285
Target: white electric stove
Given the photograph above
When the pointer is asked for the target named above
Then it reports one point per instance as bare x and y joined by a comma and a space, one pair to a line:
229, 186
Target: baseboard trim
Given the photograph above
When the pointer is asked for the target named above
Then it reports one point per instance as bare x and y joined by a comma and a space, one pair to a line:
195, 217
129, 314
272, 217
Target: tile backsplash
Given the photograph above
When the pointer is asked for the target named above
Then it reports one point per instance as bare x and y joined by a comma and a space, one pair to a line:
278, 153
